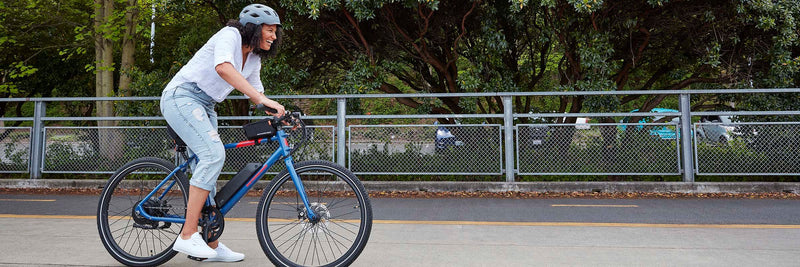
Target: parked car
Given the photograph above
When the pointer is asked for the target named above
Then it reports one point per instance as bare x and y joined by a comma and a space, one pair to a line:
446, 139
535, 135
661, 131
715, 128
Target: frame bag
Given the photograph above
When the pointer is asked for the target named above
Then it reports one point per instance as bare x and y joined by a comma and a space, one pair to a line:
259, 129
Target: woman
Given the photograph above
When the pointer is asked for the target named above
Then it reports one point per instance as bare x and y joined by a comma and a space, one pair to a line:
230, 59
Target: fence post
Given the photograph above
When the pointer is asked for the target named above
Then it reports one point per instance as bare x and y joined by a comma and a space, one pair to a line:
37, 140
341, 111
686, 138
508, 128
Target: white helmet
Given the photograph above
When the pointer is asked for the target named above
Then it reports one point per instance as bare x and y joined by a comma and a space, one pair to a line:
259, 14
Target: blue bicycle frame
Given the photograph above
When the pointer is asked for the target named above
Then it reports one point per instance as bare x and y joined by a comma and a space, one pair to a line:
282, 152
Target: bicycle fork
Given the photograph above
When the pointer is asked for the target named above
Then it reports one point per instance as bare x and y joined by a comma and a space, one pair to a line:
298, 184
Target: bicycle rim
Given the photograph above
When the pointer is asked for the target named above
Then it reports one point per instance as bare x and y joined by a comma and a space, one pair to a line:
130, 238
289, 238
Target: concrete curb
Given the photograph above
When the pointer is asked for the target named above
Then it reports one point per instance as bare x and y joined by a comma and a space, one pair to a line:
608, 187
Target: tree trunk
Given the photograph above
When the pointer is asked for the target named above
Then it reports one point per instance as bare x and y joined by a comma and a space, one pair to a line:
107, 139
104, 57
128, 48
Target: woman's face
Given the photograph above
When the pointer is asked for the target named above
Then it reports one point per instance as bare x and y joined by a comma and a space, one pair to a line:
268, 34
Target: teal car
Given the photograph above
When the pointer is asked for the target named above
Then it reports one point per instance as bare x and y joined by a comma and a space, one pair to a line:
661, 131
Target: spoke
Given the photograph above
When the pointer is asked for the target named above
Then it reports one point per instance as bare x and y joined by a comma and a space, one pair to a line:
123, 233
350, 203
146, 246
288, 223
290, 238
276, 209
322, 248
302, 242
130, 233
340, 242
333, 238
334, 203
139, 249
345, 228
287, 230
160, 234
314, 245
294, 245
342, 215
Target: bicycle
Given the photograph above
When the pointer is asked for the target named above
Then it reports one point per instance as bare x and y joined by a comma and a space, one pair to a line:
312, 213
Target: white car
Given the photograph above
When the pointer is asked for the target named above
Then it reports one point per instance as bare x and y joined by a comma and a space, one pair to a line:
715, 128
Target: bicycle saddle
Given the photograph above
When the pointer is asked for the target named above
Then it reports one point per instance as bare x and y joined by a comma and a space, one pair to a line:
179, 144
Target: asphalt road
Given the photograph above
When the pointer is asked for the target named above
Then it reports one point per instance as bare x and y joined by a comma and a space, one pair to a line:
42, 230
653, 211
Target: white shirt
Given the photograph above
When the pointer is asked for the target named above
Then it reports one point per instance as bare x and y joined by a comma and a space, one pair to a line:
224, 46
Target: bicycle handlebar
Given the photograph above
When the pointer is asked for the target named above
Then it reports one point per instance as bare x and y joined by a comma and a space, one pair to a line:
266, 108
290, 119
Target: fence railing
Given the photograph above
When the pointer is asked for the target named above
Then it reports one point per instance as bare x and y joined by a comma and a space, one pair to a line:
677, 147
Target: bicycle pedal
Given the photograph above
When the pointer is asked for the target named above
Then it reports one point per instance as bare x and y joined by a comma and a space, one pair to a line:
195, 258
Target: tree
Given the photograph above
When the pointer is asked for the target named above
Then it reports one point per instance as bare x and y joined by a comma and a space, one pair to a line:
452, 46
128, 47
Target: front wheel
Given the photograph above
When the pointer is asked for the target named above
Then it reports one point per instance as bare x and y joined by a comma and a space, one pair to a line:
336, 238
130, 238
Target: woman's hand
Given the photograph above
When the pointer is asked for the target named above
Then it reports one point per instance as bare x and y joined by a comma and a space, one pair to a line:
275, 105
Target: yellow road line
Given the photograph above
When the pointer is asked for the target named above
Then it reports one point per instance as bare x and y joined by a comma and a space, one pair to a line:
24, 216
27, 200
595, 206
286, 203
484, 223
585, 224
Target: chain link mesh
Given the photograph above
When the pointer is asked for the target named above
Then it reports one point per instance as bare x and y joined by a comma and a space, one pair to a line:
79, 149
597, 149
102, 149
747, 148
751, 148
16, 145
414, 149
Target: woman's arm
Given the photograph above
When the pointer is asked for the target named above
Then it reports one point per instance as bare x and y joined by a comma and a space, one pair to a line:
234, 78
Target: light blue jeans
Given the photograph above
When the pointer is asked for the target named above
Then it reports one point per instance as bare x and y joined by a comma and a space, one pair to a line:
190, 112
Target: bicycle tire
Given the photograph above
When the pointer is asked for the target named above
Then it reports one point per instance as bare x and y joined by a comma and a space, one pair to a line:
133, 240
280, 207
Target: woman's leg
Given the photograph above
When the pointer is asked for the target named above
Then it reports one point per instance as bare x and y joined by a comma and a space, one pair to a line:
197, 199
191, 114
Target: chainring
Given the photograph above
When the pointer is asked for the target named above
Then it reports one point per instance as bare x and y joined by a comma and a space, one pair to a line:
213, 223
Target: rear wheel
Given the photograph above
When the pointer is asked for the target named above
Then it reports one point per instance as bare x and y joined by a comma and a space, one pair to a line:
336, 238
130, 238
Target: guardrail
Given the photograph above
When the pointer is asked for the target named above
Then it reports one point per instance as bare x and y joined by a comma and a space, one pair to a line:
484, 149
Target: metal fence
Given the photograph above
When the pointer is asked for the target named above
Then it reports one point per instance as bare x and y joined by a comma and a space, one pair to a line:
414, 149
16, 146
76, 149
589, 149
747, 148
715, 148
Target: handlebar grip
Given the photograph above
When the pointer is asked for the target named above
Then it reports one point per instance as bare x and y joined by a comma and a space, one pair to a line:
266, 109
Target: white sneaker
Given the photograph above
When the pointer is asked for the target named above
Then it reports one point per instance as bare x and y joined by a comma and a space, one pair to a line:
225, 254
195, 246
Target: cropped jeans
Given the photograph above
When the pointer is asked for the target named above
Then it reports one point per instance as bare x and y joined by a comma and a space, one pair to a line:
190, 112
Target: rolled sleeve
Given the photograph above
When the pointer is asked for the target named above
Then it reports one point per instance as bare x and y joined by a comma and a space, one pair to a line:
225, 46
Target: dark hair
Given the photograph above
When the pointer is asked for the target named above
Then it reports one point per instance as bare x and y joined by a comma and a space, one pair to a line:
251, 36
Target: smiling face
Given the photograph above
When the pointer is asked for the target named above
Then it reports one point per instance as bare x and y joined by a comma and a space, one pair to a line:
268, 35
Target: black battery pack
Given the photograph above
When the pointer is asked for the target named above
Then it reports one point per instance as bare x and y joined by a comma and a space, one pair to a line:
236, 183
